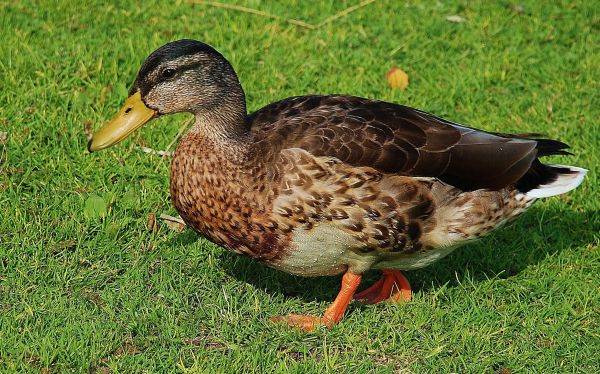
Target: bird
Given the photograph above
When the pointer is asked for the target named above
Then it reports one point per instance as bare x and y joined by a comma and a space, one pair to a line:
326, 185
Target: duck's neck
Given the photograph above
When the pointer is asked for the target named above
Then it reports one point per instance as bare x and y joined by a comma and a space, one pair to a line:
224, 121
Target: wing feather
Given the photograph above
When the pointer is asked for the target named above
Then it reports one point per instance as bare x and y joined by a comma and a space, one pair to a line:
393, 139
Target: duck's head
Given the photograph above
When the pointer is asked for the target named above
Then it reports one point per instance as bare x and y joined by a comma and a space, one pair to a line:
181, 76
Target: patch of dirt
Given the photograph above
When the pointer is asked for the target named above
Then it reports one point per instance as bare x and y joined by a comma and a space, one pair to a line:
93, 297
101, 370
128, 348
203, 341
399, 364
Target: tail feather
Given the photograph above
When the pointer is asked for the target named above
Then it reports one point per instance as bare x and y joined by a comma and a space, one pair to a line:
543, 180
558, 179
544, 147
549, 147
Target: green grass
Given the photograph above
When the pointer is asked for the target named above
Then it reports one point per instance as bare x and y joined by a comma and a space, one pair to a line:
85, 291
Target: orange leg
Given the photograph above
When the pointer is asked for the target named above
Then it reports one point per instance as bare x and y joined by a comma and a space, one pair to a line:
393, 286
333, 314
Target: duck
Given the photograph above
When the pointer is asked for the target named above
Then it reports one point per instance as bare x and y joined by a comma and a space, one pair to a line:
329, 185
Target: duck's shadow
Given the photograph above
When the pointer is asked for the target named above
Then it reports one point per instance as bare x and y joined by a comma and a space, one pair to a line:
529, 240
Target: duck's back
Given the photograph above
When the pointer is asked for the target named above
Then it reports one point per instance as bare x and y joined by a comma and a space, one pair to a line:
396, 139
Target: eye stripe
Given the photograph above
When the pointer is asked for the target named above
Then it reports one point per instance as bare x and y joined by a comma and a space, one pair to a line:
192, 65
178, 69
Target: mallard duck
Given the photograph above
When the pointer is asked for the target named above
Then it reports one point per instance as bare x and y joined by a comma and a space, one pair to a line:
335, 184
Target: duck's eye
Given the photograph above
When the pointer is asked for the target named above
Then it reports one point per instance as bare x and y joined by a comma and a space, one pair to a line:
168, 73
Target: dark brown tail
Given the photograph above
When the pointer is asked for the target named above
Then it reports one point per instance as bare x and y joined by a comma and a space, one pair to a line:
543, 180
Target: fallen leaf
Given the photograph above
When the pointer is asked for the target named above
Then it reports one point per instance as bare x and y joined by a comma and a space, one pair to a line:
455, 18
130, 199
397, 78
174, 223
95, 207
3, 151
151, 221
88, 129
518, 8
155, 152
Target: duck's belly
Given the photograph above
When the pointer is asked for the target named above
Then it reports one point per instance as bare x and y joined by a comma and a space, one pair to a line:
324, 250
328, 250
415, 260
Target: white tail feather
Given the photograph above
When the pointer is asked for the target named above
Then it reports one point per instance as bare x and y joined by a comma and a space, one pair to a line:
564, 183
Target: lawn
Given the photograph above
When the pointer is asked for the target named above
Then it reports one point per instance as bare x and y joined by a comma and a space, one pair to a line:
85, 286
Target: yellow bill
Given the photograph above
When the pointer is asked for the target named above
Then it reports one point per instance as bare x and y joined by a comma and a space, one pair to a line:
133, 115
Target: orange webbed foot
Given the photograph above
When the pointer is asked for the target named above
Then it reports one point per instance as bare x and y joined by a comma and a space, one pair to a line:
332, 315
393, 286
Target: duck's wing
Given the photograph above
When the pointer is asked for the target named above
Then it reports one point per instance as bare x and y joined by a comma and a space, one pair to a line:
395, 139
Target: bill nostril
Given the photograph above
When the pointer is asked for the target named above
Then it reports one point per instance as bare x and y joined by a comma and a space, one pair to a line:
128, 110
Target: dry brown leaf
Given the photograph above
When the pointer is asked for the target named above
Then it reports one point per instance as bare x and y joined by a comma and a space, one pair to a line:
3, 152
174, 223
397, 78
88, 129
151, 221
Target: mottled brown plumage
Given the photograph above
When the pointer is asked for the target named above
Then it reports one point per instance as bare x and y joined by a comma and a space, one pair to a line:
321, 185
